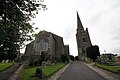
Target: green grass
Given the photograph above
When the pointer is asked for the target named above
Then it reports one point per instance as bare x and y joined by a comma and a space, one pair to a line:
89, 61
110, 68
4, 66
28, 73
47, 71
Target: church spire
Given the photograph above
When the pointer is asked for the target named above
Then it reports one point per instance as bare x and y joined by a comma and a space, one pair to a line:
79, 23
83, 40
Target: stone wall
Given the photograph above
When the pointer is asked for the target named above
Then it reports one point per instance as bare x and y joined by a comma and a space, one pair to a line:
67, 52
59, 47
16, 75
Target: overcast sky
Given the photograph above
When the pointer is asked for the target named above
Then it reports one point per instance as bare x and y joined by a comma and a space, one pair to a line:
101, 17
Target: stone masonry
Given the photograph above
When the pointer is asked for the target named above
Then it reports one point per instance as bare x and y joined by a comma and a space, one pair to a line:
83, 39
48, 42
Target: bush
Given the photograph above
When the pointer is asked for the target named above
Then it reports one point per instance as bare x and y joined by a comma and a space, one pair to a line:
39, 62
30, 63
93, 52
35, 63
72, 57
39, 72
64, 58
76, 57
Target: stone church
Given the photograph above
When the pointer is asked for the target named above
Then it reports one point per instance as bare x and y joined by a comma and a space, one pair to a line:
83, 39
47, 42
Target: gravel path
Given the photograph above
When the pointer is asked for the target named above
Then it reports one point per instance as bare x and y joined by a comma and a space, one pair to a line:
79, 71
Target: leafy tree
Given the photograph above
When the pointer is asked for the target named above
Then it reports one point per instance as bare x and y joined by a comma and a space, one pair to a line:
72, 57
64, 58
14, 25
76, 57
93, 52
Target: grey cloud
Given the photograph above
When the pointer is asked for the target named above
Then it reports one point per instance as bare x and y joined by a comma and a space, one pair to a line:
69, 32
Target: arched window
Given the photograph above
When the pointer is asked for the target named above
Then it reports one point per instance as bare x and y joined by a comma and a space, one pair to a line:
84, 40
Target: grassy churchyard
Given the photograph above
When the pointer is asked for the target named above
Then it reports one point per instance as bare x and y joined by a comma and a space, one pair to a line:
114, 69
29, 72
4, 66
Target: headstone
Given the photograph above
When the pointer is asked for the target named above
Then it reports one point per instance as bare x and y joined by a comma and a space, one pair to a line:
13, 61
44, 64
3, 61
7, 61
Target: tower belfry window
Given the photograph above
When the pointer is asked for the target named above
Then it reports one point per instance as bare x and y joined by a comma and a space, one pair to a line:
84, 40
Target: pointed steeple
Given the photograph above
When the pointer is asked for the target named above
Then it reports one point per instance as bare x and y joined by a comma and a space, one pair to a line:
88, 37
79, 23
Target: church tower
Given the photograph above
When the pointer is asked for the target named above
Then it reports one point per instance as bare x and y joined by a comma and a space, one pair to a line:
83, 39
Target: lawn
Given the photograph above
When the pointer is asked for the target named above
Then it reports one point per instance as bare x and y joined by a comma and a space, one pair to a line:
47, 71
4, 66
110, 68
28, 73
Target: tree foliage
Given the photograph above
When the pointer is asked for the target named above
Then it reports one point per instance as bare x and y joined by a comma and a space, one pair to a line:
14, 26
64, 58
93, 52
72, 57
76, 57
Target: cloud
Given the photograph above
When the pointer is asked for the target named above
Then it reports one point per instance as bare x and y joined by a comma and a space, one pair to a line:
100, 16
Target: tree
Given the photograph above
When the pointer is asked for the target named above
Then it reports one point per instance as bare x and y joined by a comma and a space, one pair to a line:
93, 52
64, 58
72, 57
14, 25
76, 57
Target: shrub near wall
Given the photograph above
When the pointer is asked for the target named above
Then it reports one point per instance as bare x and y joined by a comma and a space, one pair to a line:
64, 58
93, 52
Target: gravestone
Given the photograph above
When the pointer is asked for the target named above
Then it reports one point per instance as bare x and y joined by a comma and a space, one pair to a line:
7, 61
3, 61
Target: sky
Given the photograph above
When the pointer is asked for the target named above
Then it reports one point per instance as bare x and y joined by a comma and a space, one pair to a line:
101, 17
